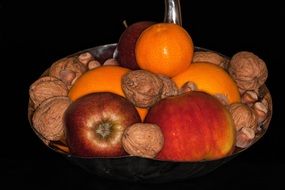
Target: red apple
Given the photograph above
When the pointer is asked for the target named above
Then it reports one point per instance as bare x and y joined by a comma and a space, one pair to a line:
95, 124
195, 125
127, 42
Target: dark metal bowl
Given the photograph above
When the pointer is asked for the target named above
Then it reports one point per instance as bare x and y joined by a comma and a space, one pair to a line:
132, 168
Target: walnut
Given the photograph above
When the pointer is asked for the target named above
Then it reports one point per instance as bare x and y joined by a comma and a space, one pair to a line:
67, 69
169, 86
46, 87
210, 57
248, 70
143, 139
243, 116
31, 109
142, 88
48, 118
245, 137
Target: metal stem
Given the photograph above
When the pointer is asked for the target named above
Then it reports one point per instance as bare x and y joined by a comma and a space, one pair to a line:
172, 12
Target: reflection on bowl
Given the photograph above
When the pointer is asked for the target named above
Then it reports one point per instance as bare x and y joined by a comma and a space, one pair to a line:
132, 168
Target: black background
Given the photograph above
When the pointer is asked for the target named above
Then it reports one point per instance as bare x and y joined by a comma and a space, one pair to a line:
35, 34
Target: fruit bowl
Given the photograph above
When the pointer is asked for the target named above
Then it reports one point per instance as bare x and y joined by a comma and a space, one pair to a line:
138, 169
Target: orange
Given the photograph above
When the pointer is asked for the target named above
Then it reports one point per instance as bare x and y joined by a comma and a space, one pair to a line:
210, 78
101, 79
164, 48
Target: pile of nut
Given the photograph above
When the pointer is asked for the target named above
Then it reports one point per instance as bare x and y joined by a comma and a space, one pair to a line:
49, 94
250, 73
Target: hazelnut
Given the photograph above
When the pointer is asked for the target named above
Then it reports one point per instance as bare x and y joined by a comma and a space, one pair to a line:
222, 98
243, 116
48, 118
46, 87
261, 111
111, 61
143, 139
248, 70
169, 87
245, 137
93, 64
142, 88
188, 87
85, 58
249, 97
70, 67
209, 57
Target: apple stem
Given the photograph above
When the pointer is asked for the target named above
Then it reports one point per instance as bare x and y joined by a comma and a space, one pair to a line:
172, 12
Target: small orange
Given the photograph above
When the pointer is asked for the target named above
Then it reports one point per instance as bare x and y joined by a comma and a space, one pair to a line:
101, 79
210, 78
164, 48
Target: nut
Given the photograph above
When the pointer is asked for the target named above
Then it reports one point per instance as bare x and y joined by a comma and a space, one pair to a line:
188, 87
111, 61
85, 58
261, 111
245, 137
93, 64
142, 88
46, 87
67, 66
210, 57
48, 118
31, 109
248, 70
243, 116
67, 76
143, 139
169, 87
222, 98
249, 97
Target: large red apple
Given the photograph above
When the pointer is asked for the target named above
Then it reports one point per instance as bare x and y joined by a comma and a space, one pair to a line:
95, 124
127, 43
195, 125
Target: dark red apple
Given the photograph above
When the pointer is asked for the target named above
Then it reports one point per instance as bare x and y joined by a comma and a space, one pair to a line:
95, 124
127, 42
195, 126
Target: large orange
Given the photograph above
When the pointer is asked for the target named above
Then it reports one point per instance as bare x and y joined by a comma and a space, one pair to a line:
210, 78
101, 79
164, 48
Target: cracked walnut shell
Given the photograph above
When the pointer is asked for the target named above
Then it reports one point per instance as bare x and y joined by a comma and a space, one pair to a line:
48, 118
248, 70
143, 139
142, 88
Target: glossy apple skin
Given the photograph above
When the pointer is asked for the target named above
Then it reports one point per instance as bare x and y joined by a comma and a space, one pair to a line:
86, 120
195, 125
127, 42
